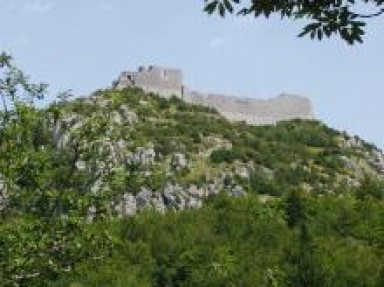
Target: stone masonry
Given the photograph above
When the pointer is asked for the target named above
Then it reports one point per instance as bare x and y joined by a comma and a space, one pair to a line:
165, 82
169, 82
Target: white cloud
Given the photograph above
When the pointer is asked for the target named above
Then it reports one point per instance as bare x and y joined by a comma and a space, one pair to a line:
216, 43
38, 6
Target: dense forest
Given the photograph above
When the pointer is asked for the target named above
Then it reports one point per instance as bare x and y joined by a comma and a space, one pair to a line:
126, 188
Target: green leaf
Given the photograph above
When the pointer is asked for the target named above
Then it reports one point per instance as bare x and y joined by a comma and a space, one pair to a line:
228, 6
319, 34
211, 7
221, 10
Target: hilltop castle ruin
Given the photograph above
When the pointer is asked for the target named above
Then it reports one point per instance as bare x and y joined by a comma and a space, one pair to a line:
165, 82
169, 82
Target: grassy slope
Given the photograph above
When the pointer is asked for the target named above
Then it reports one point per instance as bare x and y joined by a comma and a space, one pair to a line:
306, 153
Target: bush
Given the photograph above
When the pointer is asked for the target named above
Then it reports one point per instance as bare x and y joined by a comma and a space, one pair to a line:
222, 155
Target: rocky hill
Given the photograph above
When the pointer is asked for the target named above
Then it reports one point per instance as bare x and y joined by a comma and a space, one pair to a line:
147, 151
88, 190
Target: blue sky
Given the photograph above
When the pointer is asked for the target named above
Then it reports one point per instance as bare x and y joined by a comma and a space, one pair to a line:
83, 45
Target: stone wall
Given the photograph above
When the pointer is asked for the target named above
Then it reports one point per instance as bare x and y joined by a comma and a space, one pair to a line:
163, 81
256, 111
169, 82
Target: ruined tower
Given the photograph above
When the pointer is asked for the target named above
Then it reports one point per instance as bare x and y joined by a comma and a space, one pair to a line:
163, 81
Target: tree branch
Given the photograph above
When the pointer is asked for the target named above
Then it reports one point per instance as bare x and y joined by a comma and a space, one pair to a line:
370, 15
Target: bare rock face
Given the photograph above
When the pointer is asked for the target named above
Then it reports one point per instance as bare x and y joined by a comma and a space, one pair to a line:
91, 213
143, 198
374, 156
378, 161
179, 161
3, 193
236, 191
352, 142
173, 197
127, 206
143, 156
196, 192
168, 82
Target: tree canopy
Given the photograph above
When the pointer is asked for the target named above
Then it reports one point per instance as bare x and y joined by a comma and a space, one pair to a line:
326, 18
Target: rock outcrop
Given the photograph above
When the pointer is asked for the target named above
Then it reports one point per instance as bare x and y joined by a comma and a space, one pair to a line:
3, 193
173, 197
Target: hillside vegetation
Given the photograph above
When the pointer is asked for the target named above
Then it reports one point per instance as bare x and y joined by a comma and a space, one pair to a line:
125, 188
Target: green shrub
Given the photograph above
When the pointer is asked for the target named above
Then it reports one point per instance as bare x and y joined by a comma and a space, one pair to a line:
222, 155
